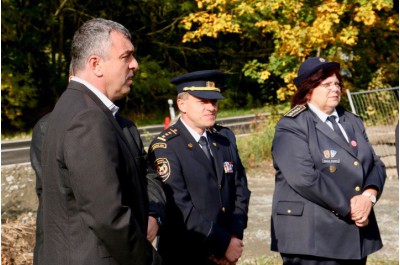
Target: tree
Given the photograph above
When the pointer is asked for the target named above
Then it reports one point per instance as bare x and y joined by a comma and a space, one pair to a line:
361, 34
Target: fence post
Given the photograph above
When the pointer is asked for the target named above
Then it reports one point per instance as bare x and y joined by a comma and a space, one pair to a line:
353, 109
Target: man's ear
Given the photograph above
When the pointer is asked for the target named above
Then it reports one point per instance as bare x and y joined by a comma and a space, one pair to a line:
95, 65
181, 103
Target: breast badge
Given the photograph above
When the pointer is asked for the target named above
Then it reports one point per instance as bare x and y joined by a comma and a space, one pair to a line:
228, 167
329, 157
163, 168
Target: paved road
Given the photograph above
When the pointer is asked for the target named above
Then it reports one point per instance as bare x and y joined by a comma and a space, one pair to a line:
15, 152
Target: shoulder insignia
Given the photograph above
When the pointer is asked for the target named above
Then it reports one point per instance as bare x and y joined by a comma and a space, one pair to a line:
157, 145
168, 134
216, 128
163, 168
295, 111
212, 130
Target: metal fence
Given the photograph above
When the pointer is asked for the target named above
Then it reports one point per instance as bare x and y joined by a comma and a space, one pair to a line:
379, 110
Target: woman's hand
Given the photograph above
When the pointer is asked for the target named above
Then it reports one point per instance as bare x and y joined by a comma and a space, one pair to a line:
360, 208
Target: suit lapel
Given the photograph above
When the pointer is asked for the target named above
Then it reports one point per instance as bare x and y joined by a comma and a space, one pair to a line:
133, 145
348, 127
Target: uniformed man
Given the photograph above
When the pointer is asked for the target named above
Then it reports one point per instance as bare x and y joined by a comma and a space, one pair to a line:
203, 179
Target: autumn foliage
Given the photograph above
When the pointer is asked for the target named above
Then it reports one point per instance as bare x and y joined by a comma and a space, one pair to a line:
359, 32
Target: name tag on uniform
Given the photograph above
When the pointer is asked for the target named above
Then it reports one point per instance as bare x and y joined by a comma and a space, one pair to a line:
331, 161
228, 167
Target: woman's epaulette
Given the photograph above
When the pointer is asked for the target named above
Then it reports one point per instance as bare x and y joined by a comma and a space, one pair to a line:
295, 111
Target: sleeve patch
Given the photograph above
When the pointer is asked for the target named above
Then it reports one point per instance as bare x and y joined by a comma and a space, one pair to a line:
158, 145
163, 168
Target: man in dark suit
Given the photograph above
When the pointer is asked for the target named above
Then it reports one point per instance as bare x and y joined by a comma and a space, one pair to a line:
95, 205
154, 189
203, 179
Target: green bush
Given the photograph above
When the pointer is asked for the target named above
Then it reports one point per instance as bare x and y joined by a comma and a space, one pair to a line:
256, 147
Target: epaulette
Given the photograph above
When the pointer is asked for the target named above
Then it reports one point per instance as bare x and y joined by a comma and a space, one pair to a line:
295, 111
215, 129
161, 141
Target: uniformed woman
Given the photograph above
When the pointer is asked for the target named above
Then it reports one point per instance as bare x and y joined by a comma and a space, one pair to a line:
328, 177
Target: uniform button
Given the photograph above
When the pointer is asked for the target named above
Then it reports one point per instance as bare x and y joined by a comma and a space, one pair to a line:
219, 186
357, 188
289, 211
356, 163
223, 209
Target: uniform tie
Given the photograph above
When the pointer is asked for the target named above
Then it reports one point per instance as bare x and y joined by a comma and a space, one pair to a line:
336, 128
204, 145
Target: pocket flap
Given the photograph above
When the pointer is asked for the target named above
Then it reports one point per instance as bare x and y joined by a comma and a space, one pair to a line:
290, 208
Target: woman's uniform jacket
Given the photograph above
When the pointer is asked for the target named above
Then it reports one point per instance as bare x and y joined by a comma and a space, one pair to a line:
317, 173
206, 204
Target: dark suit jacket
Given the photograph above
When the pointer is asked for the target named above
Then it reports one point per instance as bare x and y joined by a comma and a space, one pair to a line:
317, 173
35, 155
205, 205
95, 205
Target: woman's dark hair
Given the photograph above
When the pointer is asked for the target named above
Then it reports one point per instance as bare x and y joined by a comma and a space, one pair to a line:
307, 86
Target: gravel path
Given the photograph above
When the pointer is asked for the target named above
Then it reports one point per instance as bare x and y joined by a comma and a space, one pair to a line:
18, 198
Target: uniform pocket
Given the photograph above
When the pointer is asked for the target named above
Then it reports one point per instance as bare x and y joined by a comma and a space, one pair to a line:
290, 208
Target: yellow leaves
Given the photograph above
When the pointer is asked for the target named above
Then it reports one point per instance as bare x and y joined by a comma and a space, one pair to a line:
284, 93
382, 4
244, 8
349, 36
392, 23
210, 25
298, 29
366, 15
264, 75
288, 77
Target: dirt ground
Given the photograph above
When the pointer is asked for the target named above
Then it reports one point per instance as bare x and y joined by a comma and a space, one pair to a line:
19, 203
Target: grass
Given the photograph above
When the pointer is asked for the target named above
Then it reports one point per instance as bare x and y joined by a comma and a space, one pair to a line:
248, 111
255, 147
17, 136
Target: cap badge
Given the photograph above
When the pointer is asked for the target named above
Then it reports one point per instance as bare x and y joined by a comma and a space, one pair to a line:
210, 84
321, 60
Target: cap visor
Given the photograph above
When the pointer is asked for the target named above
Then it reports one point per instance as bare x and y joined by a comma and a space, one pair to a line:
206, 94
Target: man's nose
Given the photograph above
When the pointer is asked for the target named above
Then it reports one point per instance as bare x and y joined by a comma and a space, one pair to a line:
134, 64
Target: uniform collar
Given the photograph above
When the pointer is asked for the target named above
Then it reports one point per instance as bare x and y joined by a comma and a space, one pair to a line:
195, 135
321, 115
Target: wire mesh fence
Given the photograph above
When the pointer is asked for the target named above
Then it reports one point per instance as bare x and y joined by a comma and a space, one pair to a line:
379, 110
